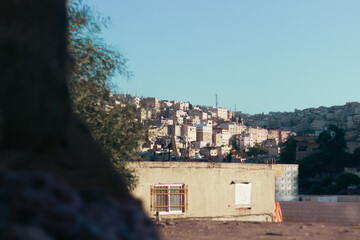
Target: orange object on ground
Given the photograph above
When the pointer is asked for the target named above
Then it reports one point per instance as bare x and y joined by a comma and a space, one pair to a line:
278, 215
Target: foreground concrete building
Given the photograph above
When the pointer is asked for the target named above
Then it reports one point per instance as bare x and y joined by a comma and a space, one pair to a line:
220, 191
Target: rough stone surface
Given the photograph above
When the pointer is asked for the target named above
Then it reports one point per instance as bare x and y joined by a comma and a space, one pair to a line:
56, 181
41, 206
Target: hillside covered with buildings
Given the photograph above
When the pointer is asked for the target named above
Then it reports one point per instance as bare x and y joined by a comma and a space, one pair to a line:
312, 121
181, 131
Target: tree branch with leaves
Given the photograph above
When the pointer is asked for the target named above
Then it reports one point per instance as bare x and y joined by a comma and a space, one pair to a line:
117, 128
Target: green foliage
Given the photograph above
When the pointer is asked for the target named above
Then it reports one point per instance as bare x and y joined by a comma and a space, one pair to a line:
312, 179
288, 152
235, 147
355, 158
228, 158
321, 172
115, 126
309, 167
256, 150
346, 179
332, 147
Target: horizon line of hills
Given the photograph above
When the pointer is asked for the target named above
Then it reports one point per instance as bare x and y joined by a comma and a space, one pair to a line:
309, 109
306, 121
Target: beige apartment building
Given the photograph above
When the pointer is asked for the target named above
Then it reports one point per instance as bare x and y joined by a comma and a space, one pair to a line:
179, 120
206, 190
284, 135
278, 135
199, 113
192, 120
274, 134
204, 133
222, 113
177, 113
259, 134
181, 106
174, 129
217, 139
234, 128
223, 134
202, 136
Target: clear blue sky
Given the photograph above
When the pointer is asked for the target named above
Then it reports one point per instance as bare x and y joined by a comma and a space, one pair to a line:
262, 55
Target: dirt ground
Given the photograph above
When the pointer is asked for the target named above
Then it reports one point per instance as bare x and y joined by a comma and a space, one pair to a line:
181, 229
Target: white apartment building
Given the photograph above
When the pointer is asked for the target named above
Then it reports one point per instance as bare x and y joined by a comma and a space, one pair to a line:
243, 140
136, 101
246, 140
225, 136
167, 104
204, 116
179, 120
189, 132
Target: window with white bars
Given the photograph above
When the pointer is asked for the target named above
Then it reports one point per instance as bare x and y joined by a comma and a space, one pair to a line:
169, 198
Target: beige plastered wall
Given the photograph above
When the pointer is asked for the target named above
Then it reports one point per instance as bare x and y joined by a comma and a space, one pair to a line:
210, 194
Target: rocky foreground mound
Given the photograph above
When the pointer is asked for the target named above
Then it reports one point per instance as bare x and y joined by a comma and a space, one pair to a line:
43, 207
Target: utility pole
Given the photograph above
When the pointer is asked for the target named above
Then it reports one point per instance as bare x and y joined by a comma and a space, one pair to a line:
216, 100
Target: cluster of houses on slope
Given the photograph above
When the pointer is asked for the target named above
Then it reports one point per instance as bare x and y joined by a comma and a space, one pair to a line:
313, 121
200, 132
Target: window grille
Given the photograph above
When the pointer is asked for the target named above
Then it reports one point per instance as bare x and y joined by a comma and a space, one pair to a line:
170, 198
